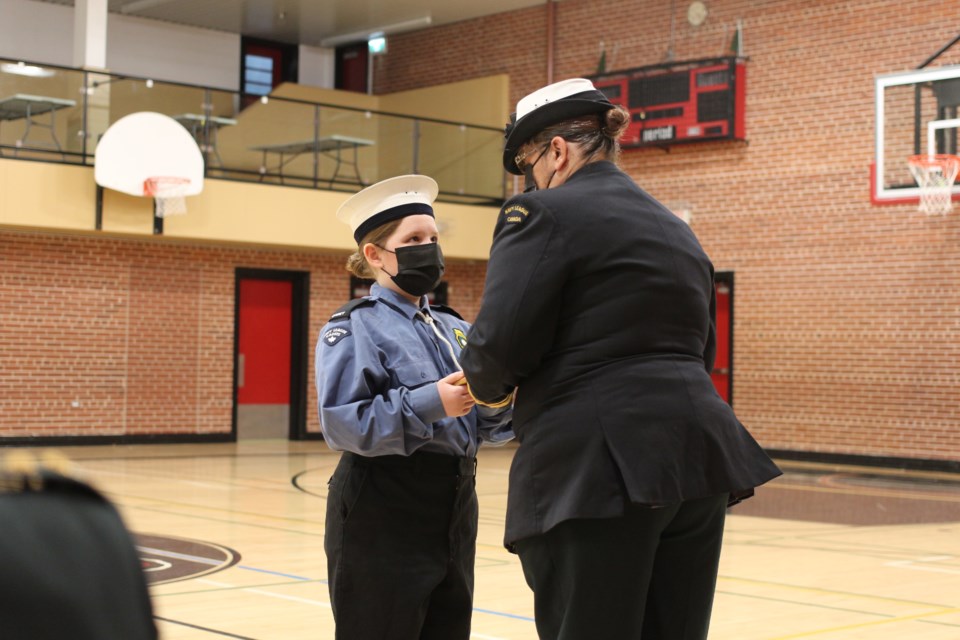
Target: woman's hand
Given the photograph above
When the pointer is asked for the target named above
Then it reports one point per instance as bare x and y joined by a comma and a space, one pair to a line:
457, 401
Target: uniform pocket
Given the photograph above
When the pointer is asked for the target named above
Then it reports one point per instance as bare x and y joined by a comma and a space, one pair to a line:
350, 489
416, 373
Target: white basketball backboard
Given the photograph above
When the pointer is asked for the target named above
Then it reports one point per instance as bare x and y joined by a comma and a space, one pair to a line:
147, 145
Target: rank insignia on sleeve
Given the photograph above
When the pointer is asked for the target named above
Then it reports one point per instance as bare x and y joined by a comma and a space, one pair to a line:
515, 214
335, 335
461, 338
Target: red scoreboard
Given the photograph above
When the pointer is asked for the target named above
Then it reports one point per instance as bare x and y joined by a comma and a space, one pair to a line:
692, 101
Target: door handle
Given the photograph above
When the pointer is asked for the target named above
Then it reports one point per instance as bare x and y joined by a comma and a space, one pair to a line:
241, 366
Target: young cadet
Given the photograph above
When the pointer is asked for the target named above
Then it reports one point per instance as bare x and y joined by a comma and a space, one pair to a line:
598, 308
401, 523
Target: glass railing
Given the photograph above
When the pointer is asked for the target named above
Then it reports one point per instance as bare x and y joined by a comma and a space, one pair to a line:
57, 114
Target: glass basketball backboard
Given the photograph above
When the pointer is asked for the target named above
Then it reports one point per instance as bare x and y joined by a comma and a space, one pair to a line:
911, 109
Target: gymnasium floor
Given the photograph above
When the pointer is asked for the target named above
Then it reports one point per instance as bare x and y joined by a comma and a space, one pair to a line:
232, 539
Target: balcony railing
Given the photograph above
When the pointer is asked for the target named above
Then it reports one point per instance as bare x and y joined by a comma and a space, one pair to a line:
57, 114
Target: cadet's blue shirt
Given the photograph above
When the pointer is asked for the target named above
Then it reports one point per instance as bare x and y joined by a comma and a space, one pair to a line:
376, 382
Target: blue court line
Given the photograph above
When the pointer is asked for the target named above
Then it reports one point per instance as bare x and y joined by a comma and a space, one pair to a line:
287, 575
505, 615
277, 573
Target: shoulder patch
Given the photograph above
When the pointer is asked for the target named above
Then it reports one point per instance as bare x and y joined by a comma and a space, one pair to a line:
515, 214
461, 337
344, 312
445, 309
335, 335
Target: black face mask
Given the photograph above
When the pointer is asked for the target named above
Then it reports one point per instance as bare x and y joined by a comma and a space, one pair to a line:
419, 268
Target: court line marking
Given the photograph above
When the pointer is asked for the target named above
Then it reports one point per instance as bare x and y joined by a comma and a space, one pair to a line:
181, 556
327, 604
832, 592
873, 623
195, 626
504, 614
282, 575
878, 493
916, 566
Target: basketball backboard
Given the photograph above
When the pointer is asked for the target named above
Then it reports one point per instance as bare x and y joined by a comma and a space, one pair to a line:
146, 145
913, 112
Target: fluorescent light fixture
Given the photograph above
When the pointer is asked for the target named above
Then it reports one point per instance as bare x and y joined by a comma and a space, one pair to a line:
364, 35
24, 69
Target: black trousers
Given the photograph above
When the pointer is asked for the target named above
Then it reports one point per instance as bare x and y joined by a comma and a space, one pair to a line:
649, 574
401, 536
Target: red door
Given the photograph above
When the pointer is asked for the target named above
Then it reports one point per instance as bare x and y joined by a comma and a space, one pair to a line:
721, 366
351, 67
263, 367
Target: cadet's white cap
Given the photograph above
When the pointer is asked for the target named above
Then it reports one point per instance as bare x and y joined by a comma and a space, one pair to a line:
388, 200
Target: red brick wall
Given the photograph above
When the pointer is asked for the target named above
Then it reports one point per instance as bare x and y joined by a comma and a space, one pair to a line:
140, 333
846, 314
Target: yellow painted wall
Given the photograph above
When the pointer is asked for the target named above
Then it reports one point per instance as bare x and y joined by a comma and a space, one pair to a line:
456, 101
62, 198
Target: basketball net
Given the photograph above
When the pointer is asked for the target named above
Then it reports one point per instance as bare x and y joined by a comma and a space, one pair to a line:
168, 193
935, 175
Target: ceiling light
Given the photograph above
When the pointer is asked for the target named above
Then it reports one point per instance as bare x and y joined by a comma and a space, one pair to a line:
24, 69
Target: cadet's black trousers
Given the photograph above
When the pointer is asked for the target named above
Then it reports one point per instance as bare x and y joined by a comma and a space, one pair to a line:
648, 575
401, 535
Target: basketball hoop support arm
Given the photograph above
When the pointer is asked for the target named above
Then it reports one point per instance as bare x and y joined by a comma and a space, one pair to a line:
940, 52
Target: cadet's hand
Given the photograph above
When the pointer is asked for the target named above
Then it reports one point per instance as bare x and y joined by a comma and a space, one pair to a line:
454, 395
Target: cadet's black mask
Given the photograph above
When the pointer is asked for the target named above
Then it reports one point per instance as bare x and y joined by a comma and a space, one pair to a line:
419, 268
529, 183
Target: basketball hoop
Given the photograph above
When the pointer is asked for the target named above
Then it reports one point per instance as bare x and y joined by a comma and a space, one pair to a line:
168, 193
935, 175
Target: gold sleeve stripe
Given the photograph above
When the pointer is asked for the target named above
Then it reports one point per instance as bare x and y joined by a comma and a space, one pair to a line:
492, 405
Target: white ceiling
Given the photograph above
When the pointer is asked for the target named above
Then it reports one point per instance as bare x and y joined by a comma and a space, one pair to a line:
309, 22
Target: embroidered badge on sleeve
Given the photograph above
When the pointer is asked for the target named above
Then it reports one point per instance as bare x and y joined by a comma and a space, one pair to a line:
335, 335
461, 338
515, 214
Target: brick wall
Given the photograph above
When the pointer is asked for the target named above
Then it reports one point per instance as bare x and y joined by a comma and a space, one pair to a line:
114, 337
847, 315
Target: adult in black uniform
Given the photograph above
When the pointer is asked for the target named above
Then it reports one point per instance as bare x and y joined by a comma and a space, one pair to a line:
598, 313
70, 568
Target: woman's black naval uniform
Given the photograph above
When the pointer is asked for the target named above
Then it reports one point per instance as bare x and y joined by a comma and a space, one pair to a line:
598, 307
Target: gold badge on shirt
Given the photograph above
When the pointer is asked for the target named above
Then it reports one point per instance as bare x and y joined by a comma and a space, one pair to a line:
461, 337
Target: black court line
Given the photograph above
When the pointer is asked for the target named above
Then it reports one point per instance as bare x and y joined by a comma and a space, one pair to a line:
295, 481
193, 626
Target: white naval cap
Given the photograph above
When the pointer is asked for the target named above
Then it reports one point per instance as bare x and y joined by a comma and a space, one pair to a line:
386, 201
546, 106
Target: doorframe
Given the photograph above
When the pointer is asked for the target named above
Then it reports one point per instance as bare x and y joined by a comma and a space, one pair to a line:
299, 341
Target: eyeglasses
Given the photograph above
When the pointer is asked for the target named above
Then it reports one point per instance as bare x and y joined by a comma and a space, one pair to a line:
520, 157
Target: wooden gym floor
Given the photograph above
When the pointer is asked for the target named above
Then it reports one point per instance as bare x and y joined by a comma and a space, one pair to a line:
824, 553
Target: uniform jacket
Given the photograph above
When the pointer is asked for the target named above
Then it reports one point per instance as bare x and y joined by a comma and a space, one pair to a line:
598, 307
70, 568
377, 364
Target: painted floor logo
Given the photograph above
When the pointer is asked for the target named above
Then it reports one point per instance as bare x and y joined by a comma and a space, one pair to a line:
165, 559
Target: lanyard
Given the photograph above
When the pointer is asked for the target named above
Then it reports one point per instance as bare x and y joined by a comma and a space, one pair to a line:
433, 325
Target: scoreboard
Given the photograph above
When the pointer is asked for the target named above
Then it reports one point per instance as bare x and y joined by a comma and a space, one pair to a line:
692, 101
